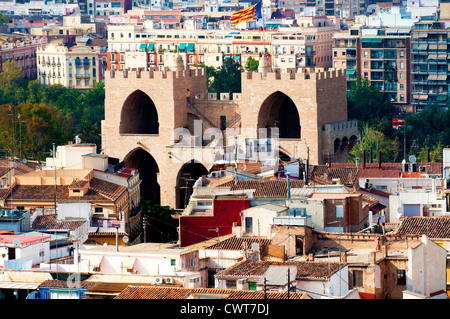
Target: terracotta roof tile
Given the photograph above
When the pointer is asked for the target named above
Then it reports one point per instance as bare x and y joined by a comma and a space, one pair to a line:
305, 269
164, 292
50, 222
433, 227
236, 243
55, 283
267, 188
99, 190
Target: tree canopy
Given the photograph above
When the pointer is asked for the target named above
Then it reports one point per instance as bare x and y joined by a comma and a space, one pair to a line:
34, 116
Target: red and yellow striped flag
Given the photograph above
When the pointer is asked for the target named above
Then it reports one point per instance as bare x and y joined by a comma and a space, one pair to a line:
243, 15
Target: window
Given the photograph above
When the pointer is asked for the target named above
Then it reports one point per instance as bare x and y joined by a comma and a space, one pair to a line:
173, 262
192, 262
248, 225
339, 211
401, 277
358, 276
381, 187
401, 65
98, 209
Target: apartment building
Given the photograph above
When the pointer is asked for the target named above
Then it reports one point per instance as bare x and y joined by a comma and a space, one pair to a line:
78, 67
380, 55
22, 51
430, 65
138, 46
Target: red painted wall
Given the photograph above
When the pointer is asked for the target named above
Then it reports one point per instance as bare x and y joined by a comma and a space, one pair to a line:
194, 229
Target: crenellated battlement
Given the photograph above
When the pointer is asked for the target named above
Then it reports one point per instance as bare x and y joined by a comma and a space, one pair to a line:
155, 74
292, 74
218, 97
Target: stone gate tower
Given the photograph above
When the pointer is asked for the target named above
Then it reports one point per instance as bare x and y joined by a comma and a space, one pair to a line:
149, 125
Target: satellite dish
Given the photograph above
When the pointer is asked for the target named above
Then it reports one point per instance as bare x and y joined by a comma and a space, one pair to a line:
412, 159
16, 243
15, 164
125, 239
24, 161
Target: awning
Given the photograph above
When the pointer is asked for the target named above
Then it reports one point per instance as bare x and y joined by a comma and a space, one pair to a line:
442, 77
143, 46
423, 97
128, 263
442, 56
432, 77
432, 56
95, 261
18, 285
350, 71
441, 97
272, 25
190, 47
226, 57
182, 46
237, 57
151, 46
371, 40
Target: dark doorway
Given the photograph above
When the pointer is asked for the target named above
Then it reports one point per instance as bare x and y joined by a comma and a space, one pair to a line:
187, 176
278, 110
139, 115
148, 170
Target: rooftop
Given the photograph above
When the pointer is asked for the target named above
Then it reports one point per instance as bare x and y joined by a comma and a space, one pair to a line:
305, 269
153, 292
433, 227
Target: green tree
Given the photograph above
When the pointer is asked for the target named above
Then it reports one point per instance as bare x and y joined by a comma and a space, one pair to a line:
3, 19
251, 65
368, 104
227, 78
370, 137
161, 226
10, 81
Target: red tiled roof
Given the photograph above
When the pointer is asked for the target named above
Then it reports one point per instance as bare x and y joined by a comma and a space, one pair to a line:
305, 269
50, 222
433, 227
235, 243
99, 190
349, 174
266, 188
165, 292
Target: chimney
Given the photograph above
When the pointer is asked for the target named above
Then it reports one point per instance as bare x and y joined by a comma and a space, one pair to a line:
373, 257
379, 159
343, 257
311, 257
364, 158
384, 251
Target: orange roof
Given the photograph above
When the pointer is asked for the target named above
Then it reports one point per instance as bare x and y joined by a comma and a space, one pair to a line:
318, 196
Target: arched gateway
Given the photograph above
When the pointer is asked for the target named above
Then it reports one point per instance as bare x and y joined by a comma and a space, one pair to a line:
143, 109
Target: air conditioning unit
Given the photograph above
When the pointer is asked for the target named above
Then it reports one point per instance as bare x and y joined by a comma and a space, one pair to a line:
169, 280
159, 280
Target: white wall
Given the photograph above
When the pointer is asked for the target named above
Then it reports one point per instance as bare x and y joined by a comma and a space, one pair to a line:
74, 210
426, 273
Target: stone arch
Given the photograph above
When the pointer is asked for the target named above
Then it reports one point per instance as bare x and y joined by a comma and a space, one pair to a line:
337, 145
139, 115
352, 141
148, 173
187, 176
344, 143
279, 110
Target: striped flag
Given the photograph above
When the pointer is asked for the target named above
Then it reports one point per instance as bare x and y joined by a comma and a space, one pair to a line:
247, 14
